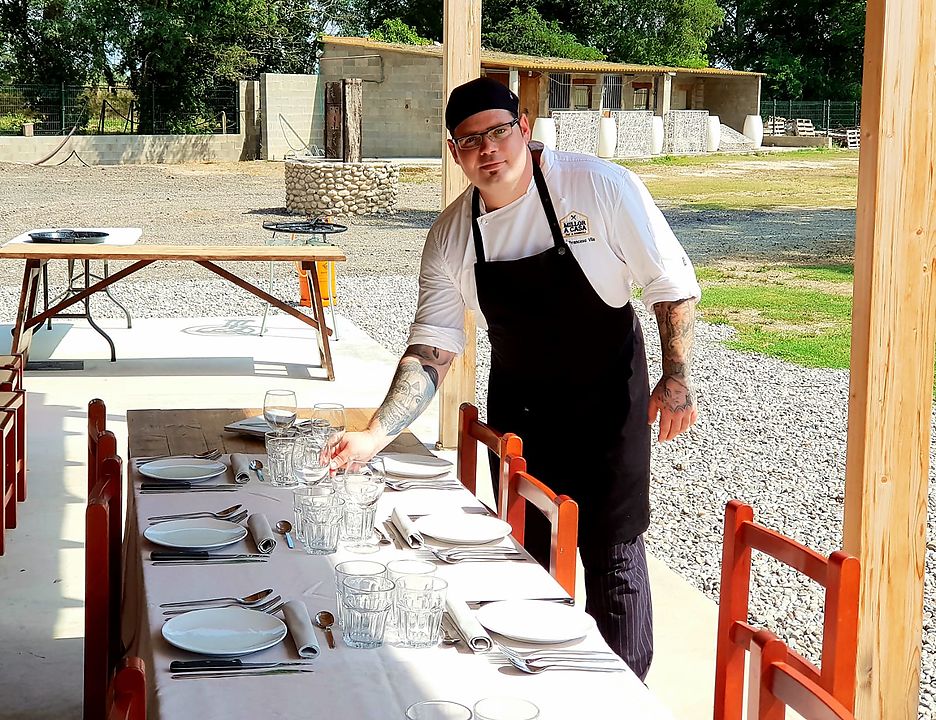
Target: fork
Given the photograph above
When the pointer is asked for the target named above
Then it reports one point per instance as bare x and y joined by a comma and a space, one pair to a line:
264, 606
223, 515
239, 517
207, 455
467, 556
570, 653
535, 667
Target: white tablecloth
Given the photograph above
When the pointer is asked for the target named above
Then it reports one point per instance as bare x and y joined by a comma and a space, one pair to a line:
348, 684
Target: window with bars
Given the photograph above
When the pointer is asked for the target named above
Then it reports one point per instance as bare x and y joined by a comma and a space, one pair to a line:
613, 92
560, 91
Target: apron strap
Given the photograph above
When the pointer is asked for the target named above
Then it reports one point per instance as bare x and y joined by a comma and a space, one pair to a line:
542, 190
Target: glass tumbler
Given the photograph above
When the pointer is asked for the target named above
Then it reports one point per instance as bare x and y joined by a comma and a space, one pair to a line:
420, 602
353, 568
400, 568
367, 601
298, 494
505, 708
321, 519
437, 710
279, 448
310, 460
361, 484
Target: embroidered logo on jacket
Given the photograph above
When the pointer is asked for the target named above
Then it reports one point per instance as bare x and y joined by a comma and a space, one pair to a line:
574, 224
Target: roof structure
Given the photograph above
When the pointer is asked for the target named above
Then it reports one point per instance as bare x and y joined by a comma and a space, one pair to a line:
494, 59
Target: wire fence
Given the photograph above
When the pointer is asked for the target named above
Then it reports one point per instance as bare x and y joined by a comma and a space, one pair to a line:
825, 115
114, 110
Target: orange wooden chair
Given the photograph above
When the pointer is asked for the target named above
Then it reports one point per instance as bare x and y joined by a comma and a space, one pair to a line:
97, 426
127, 694
11, 380
472, 431
7, 474
776, 683
838, 574
561, 511
103, 647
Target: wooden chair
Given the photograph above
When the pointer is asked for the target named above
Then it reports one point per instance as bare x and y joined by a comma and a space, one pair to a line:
7, 475
127, 694
11, 380
838, 574
103, 649
97, 426
561, 511
776, 683
472, 430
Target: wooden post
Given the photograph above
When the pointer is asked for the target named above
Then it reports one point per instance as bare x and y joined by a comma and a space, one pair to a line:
333, 122
893, 335
353, 119
461, 62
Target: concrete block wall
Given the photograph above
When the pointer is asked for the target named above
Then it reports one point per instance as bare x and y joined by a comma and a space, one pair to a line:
125, 149
402, 99
293, 115
732, 99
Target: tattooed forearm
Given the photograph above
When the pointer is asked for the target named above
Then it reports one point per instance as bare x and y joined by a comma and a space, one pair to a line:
676, 321
417, 378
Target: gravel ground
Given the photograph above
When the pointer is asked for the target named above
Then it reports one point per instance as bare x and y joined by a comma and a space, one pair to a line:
769, 432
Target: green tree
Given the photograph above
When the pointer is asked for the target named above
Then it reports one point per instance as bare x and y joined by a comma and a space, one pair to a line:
528, 33
397, 31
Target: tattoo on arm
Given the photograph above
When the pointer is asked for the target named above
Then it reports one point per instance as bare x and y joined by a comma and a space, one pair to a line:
418, 376
676, 321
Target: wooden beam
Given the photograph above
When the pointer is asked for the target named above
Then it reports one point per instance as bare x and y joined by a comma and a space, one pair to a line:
893, 335
461, 62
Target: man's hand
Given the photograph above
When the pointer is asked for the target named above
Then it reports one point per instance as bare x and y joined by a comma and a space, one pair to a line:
356, 445
673, 399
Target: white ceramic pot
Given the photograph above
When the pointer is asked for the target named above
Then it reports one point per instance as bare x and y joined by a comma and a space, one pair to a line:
607, 137
656, 135
713, 136
754, 129
544, 130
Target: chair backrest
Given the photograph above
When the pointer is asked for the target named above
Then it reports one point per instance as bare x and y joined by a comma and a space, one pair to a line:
103, 647
776, 683
838, 574
97, 426
472, 431
127, 699
560, 510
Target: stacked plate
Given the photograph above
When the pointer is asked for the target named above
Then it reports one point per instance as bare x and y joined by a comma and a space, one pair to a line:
224, 632
410, 465
462, 528
195, 534
179, 469
535, 621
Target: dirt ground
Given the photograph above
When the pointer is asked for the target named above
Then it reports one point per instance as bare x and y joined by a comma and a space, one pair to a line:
226, 203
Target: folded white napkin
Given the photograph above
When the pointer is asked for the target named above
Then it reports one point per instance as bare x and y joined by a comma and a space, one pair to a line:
467, 624
261, 532
407, 529
240, 464
300, 627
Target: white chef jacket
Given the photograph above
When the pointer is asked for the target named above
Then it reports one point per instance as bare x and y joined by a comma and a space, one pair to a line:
608, 219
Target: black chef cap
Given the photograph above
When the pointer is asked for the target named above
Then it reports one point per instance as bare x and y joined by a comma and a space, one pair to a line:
476, 96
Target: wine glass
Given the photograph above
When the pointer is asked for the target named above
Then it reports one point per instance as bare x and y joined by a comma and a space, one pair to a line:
332, 414
279, 409
361, 483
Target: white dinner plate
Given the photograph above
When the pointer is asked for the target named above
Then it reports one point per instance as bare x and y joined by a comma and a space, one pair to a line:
195, 534
224, 632
182, 469
535, 621
462, 528
410, 465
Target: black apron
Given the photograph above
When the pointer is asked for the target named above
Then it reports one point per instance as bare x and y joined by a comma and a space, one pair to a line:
569, 376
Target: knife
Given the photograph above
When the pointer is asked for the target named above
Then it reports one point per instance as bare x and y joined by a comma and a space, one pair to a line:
180, 485
228, 664
167, 491
202, 561
197, 555
239, 673
475, 604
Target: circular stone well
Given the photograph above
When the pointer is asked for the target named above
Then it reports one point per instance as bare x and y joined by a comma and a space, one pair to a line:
339, 188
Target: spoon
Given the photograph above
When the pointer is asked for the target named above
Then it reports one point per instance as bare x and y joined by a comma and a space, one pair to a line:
257, 467
325, 620
284, 527
247, 600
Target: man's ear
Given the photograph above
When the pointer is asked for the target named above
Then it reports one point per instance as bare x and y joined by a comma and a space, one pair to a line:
525, 127
451, 147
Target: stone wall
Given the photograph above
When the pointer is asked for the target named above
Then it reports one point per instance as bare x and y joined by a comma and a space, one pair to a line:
685, 131
577, 130
634, 132
337, 188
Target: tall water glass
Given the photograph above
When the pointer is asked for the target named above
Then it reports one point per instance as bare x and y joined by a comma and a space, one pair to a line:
310, 460
299, 493
401, 568
437, 710
361, 483
321, 518
353, 568
419, 601
279, 409
367, 601
505, 708
279, 448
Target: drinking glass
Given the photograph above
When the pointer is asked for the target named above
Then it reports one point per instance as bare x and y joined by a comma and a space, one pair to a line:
361, 484
310, 461
321, 519
403, 567
419, 601
332, 414
279, 409
437, 710
367, 601
353, 568
298, 494
505, 708
279, 448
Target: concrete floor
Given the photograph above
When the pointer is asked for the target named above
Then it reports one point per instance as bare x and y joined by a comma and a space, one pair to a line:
195, 363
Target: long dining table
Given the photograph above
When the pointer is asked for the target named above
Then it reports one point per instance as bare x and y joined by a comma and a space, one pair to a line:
352, 684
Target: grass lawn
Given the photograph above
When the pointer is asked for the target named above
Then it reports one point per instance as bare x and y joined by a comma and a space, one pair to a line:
799, 314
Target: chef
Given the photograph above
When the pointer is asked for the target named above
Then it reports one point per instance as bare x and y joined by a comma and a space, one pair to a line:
545, 248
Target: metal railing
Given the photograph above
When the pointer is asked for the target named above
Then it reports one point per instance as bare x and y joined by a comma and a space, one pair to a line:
97, 110
826, 115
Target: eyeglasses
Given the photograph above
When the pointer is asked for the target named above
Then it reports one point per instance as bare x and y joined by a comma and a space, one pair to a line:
496, 134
